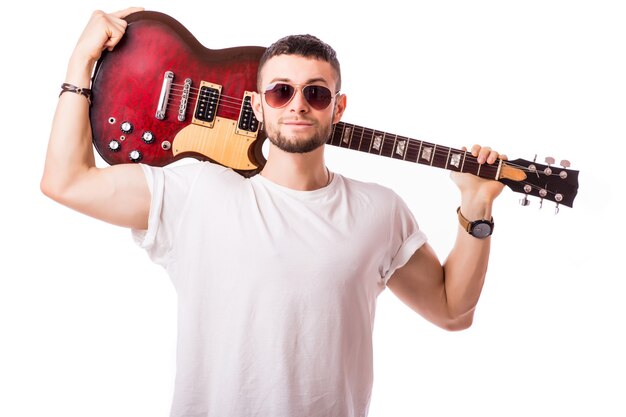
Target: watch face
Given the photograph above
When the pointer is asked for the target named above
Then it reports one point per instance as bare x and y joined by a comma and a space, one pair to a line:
481, 229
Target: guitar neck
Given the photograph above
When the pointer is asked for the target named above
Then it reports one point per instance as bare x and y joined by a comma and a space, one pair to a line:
394, 146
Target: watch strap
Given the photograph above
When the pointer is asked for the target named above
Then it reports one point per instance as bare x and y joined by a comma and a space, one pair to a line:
468, 225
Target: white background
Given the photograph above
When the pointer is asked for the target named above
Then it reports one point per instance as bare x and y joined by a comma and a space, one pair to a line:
87, 323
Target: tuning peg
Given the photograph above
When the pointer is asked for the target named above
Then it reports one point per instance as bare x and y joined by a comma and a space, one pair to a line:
524, 201
565, 163
542, 193
549, 160
556, 209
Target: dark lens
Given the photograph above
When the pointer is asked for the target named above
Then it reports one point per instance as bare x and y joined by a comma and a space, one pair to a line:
279, 94
319, 97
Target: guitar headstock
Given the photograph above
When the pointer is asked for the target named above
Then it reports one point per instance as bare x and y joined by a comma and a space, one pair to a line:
545, 181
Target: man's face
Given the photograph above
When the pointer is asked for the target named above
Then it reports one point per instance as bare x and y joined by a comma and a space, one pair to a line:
298, 127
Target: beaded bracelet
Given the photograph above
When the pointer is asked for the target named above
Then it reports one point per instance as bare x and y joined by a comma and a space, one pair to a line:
65, 87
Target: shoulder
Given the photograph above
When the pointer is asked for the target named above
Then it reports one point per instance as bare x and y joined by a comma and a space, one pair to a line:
192, 171
183, 177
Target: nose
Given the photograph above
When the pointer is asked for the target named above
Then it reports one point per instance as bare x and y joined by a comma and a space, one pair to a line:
298, 103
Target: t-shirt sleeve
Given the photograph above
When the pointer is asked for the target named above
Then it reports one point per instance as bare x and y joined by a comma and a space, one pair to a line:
170, 189
405, 238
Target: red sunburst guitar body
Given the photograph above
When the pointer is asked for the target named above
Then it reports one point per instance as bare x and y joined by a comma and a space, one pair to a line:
161, 96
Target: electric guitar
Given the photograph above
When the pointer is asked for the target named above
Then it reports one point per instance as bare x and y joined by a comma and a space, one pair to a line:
161, 96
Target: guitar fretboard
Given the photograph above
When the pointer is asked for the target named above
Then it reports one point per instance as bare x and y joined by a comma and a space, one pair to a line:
376, 142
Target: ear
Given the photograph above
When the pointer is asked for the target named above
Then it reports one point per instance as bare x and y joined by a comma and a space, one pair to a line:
257, 106
340, 107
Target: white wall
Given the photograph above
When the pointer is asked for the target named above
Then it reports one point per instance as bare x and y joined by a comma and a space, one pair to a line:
87, 323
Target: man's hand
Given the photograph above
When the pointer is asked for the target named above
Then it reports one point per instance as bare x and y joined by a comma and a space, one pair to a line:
103, 31
476, 190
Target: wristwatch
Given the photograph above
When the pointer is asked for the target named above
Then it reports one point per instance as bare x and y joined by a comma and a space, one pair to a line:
478, 228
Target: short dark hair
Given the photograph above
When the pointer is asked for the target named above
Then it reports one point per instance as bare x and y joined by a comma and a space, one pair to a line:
307, 46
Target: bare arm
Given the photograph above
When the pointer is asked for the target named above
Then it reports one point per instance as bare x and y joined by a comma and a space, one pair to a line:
117, 194
446, 294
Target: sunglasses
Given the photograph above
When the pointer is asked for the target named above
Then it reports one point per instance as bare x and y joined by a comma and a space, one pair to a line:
278, 95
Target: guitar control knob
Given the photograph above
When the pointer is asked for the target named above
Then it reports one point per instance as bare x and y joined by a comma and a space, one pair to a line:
147, 137
126, 127
114, 146
135, 156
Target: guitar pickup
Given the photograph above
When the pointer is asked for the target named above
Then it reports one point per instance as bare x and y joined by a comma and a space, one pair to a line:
247, 124
207, 104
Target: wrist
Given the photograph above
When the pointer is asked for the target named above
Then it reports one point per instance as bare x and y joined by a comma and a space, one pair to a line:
474, 208
79, 71
479, 227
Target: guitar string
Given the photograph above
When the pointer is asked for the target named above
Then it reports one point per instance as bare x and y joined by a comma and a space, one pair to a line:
469, 160
233, 104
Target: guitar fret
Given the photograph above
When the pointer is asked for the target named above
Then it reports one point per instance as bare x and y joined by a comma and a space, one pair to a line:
346, 136
432, 159
448, 158
417, 157
354, 144
377, 142
400, 148
367, 144
426, 153
454, 160
332, 135
361, 138
337, 132
385, 149
412, 151
393, 147
440, 158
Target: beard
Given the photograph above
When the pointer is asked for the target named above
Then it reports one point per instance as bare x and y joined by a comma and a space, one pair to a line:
296, 144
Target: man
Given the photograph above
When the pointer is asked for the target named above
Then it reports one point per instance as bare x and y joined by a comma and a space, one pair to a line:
276, 275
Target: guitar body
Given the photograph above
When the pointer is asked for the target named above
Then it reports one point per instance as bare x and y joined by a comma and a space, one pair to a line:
161, 96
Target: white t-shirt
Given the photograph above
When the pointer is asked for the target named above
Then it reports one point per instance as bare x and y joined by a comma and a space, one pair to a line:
276, 288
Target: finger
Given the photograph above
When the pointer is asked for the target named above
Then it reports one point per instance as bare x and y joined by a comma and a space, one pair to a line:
115, 36
492, 157
481, 153
117, 28
123, 13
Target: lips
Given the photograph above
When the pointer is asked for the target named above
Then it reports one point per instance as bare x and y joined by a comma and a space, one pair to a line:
297, 122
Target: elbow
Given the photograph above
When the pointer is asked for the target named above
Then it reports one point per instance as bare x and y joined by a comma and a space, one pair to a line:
461, 322
49, 188
53, 188
457, 326
46, 187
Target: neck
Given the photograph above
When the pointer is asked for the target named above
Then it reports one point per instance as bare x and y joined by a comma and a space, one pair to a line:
301, 172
